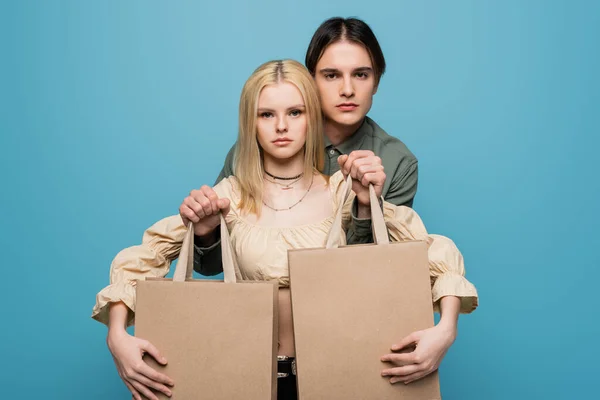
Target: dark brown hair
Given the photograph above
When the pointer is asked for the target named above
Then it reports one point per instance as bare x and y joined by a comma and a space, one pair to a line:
351, 29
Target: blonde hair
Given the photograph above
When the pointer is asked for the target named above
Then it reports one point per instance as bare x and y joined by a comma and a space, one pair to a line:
248, 159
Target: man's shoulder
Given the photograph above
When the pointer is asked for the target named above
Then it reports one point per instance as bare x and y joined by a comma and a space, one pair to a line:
388, 145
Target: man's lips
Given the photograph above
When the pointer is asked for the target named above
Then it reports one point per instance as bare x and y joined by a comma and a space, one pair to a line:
347, 106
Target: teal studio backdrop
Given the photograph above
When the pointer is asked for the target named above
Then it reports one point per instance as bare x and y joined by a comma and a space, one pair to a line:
111, 112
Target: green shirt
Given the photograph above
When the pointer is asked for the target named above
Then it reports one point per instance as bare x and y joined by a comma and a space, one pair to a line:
400, 166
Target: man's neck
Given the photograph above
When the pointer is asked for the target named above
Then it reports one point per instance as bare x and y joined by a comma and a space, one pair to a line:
338, 133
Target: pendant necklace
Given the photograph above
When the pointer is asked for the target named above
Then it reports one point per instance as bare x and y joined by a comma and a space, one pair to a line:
296, 203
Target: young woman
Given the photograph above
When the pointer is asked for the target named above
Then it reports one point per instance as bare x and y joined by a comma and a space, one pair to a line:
277, 200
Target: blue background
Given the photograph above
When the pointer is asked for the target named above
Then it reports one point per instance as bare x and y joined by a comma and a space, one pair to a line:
110, 112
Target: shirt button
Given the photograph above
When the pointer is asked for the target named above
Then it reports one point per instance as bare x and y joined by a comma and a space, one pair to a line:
332, 152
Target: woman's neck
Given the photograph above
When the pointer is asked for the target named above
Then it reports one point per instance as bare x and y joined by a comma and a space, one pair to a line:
287, 168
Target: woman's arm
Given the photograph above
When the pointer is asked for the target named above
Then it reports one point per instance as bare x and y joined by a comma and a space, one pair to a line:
428, 346
128, 352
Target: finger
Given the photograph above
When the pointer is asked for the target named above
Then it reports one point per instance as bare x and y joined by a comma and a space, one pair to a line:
350, 161
358, 166
197, 194
400, 359
376, 179
206, 205
224, 206
212, 196
208, 192
342, 160
356, 155
154, 376
152, 384
192, 210
404, 370
363, 169
200, 203
149, 348
151, 373
187, 214
412, 377
184, 219
143, 390
413, 338
134, 393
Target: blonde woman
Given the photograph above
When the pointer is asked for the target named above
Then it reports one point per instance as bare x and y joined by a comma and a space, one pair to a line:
278, 200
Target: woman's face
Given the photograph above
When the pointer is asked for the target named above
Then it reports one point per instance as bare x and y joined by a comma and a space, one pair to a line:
281, 121
346, 82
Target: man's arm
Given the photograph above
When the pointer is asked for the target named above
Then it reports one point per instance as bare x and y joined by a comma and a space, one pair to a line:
207, 251
403, 186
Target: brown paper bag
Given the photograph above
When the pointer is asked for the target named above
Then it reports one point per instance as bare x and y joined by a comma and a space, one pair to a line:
349, 305
220, 338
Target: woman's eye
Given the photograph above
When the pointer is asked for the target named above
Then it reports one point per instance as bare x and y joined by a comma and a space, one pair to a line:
266, 115
295, 113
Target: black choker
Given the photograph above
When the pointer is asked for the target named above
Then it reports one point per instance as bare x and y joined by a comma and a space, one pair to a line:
282, 178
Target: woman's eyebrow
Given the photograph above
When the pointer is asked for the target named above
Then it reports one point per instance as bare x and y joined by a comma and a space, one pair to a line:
266, 109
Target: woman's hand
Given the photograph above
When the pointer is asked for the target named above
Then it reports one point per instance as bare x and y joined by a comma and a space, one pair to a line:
202, 207
429, 346
127, 352
139, 377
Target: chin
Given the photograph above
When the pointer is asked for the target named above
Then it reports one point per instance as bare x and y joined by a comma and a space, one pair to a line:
347, 118
283, 153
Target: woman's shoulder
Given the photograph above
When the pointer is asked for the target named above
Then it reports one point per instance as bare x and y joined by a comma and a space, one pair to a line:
340, 192
229, 188
335, 182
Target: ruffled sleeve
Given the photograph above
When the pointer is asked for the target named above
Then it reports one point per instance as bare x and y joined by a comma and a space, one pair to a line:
160, 246
446, 263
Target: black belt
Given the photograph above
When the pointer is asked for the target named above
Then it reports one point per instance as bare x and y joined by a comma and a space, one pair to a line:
286, 366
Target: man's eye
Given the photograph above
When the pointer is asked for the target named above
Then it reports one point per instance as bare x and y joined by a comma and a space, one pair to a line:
330, 76
362, 75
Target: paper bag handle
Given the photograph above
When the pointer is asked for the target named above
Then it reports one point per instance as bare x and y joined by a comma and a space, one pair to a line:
185, 264
378, 226
380, 234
